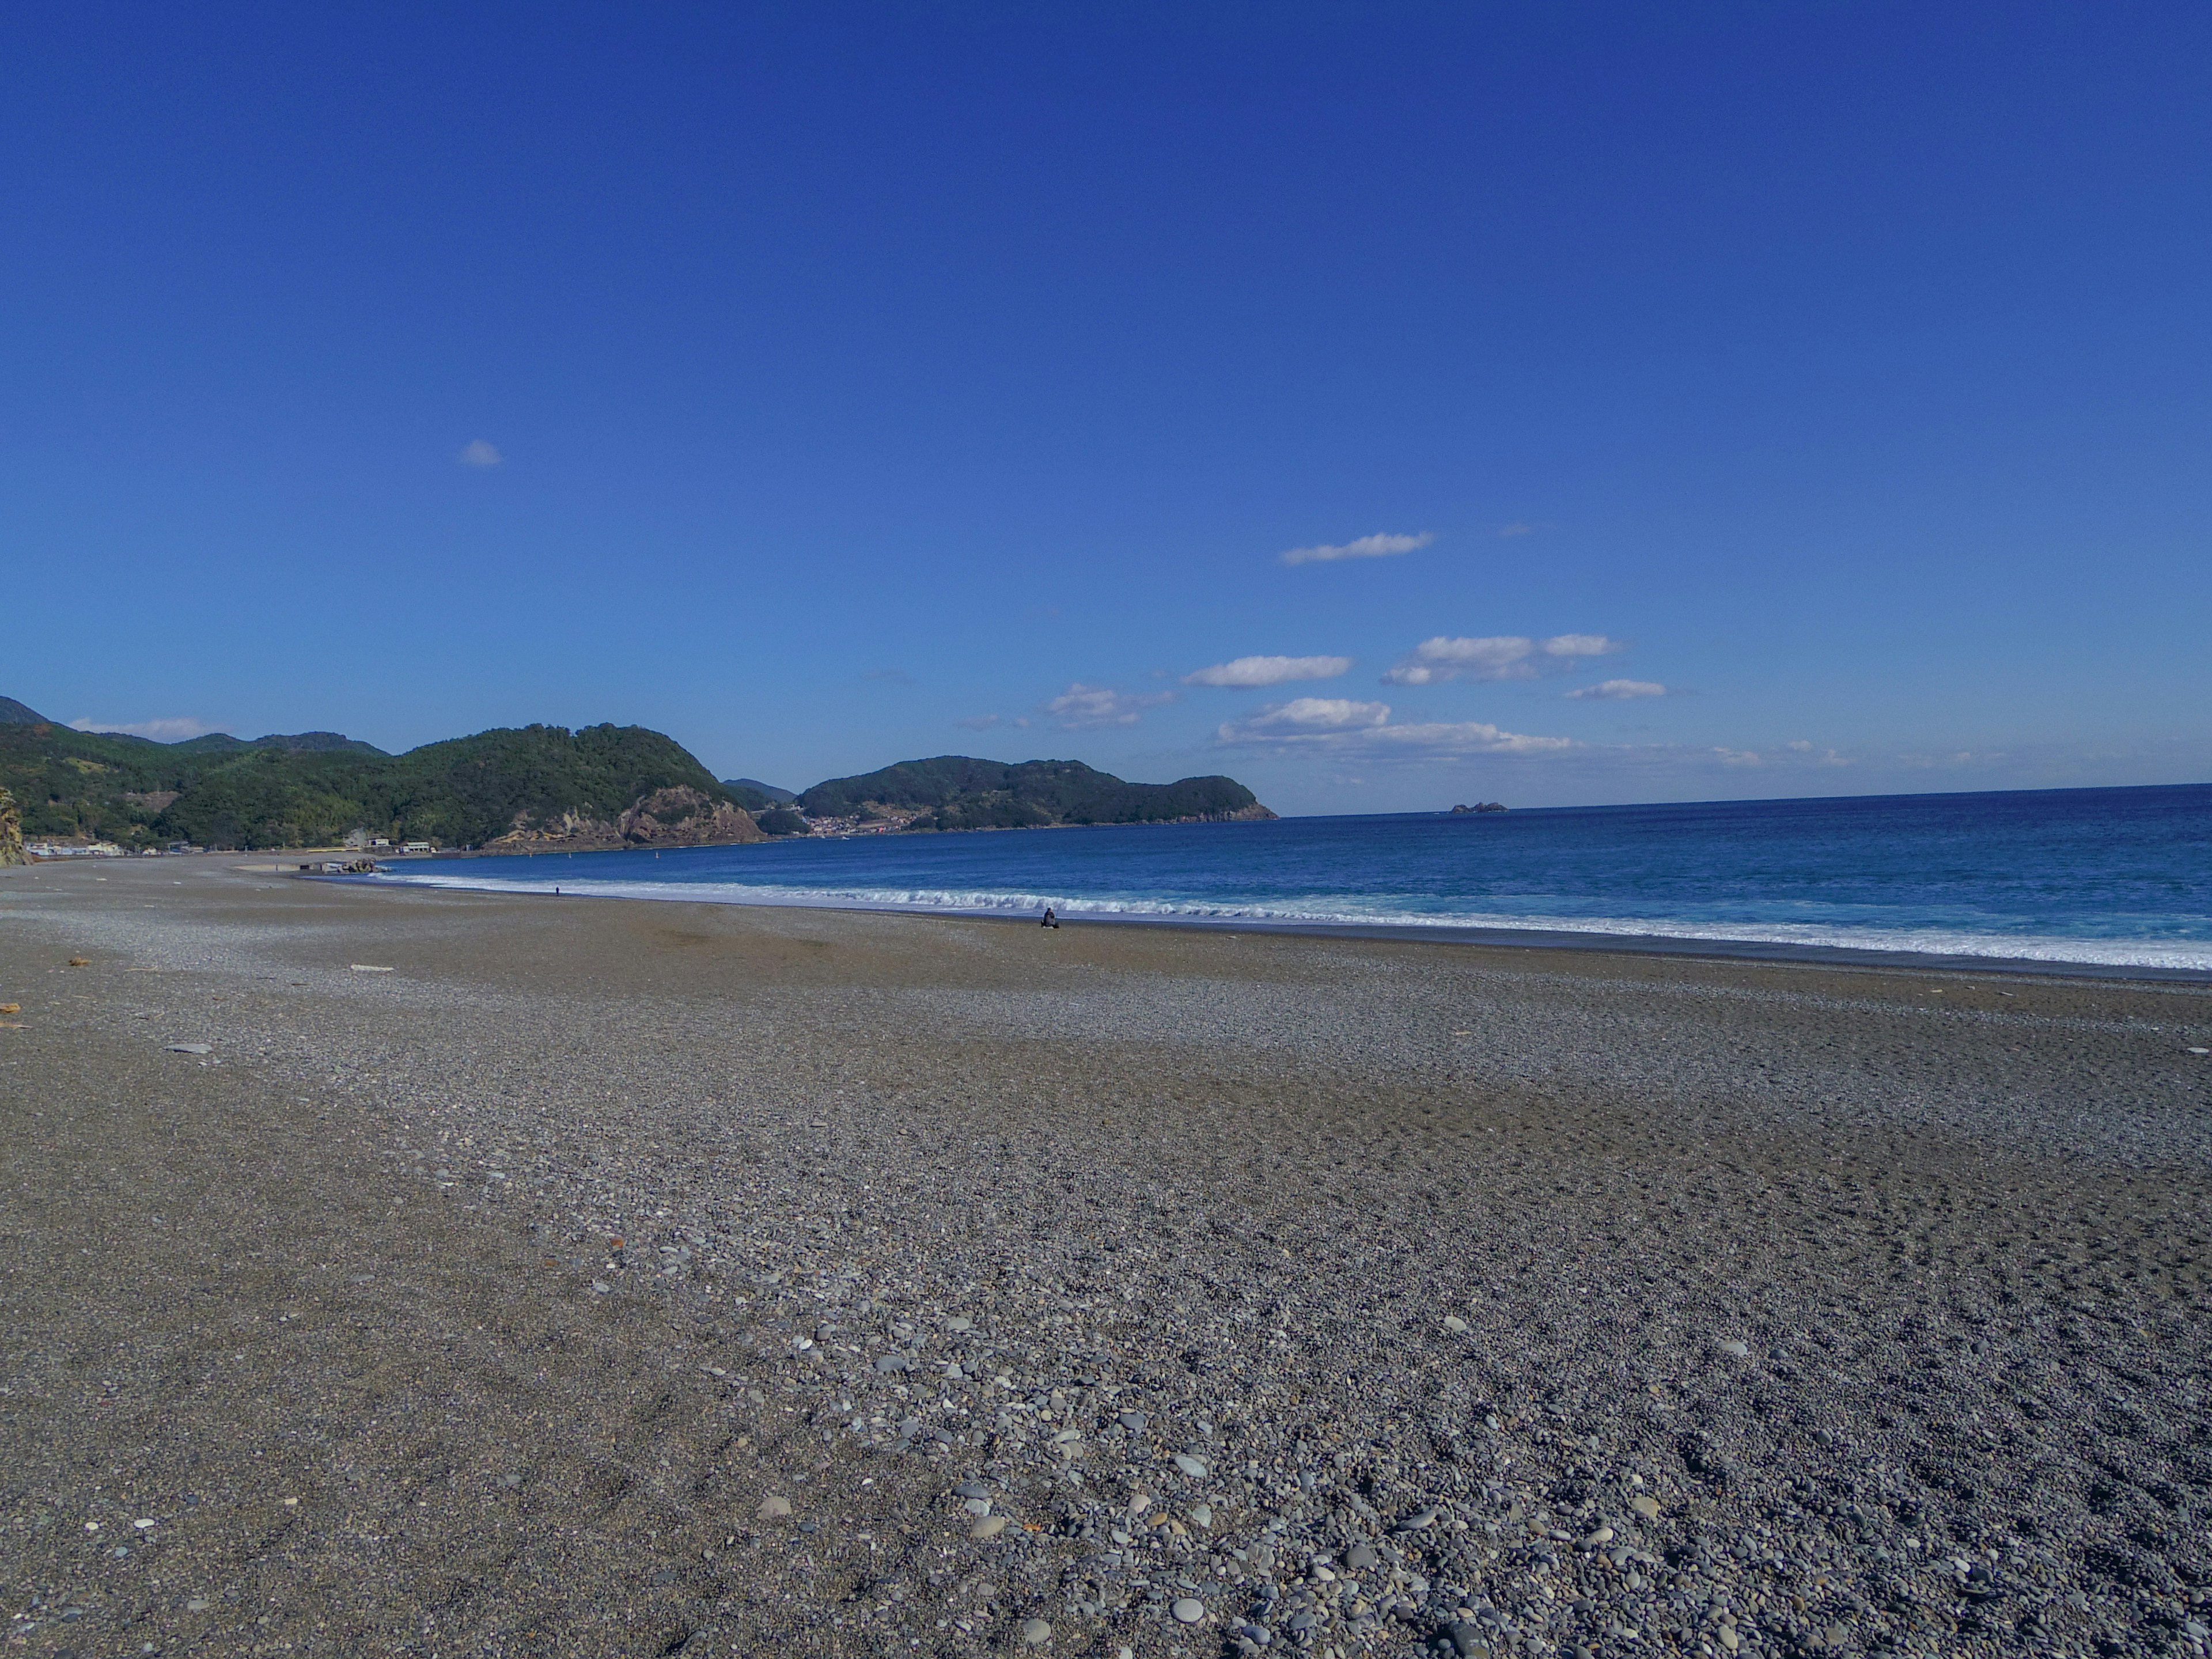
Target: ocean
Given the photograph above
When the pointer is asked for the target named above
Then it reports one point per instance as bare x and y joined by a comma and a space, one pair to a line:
2114, 878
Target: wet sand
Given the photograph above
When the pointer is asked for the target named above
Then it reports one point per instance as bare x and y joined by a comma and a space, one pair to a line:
1548, 1299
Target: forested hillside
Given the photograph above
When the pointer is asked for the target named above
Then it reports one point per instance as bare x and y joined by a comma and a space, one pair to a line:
604, 785
956, 792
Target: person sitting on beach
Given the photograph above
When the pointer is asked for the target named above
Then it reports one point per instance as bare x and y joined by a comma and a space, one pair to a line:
1050, 920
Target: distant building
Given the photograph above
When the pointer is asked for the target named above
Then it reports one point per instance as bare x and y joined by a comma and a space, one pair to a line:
416, 846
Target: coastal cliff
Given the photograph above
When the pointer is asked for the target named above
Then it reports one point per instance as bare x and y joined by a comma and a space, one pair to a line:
11, 831
676, 817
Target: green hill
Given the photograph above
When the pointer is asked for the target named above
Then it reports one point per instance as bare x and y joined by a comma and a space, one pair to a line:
220, 743
956, 791
15, 714
605, 786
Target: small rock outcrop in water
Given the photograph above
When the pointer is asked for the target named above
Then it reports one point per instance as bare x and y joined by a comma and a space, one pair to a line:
1482, 807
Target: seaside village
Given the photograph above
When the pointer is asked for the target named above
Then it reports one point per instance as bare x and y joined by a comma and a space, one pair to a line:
359, 841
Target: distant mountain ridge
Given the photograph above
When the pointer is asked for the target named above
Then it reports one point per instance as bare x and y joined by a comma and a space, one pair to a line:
528, 789
299, 742
959, 792
757, 797
520, 789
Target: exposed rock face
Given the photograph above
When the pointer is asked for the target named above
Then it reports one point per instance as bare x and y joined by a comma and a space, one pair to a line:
677, 816
11, 831
683, 816
1251, 814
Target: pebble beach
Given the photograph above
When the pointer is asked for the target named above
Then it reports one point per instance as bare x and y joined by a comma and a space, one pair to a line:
446, 1274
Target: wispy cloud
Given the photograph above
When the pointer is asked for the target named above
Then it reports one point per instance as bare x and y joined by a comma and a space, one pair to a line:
893, 676
1580, 645
1269, 671
477, 453
1501, 657
1307, 716
1950, 762
173, 730
1366, 546
980, 723
1339, 725
1622, 689
1739, 756
1819, 757
1494, 657
1517, 528
1081, 706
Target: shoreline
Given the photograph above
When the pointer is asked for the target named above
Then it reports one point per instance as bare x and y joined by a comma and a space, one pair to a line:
1591, 940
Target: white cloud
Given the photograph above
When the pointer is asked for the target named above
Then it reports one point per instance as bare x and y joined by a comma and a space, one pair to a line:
1580, 645
1739, 756
1468, 738
1495, 657
981, 723
1625, 689
173, 730
1338, 723
1502, 657
1082, 704
1303, 716
1366, 546
477, 453
1269, 671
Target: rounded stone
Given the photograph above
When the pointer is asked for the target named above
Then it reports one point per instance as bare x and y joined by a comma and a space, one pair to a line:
1188, 1609
1035, 1633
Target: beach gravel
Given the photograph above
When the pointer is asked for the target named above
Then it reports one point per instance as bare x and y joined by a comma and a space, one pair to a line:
615, 1277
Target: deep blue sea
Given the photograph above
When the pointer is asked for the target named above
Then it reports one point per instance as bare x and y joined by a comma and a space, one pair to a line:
2121, 877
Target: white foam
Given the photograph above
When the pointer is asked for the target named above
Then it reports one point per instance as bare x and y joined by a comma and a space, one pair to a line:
1918, 940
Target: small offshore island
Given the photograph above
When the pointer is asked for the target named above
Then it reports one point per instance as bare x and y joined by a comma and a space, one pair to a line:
528, 789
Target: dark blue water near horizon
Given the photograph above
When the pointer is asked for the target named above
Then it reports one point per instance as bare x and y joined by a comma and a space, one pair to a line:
2121, 877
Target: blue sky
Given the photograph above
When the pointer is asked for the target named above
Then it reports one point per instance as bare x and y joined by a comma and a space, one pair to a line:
1825, 386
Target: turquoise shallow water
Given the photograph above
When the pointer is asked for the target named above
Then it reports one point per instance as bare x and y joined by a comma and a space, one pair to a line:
2113, 877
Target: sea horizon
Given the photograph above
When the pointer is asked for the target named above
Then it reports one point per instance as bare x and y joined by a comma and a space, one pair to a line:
2108, 878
